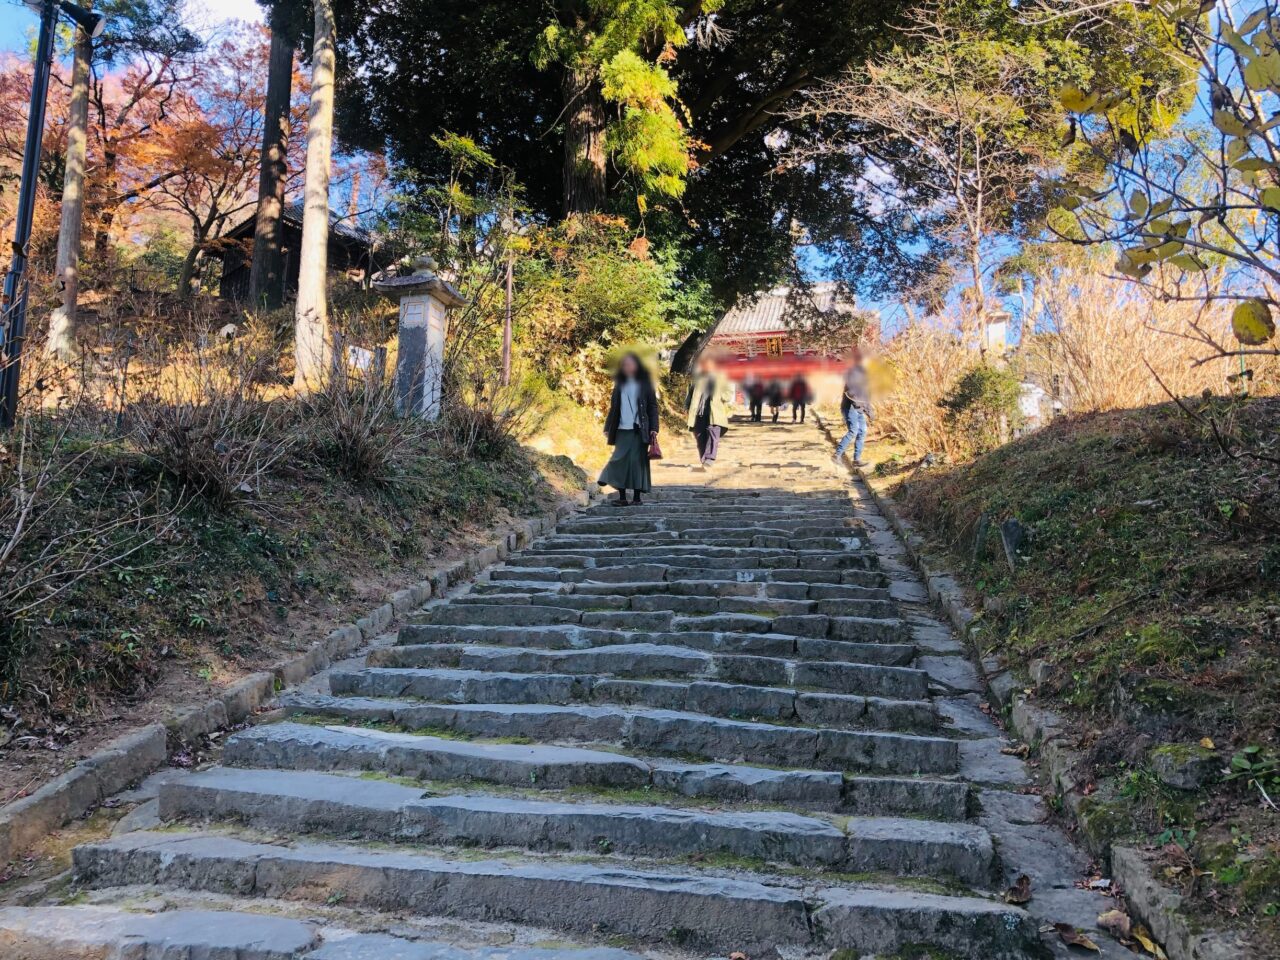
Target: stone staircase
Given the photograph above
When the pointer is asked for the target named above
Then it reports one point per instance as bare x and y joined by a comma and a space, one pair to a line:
720, 722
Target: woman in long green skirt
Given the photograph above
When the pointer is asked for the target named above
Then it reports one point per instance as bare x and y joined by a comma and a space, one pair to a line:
631, 426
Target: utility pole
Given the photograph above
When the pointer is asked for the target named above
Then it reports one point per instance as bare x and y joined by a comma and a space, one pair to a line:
510, 230
506, 324
13, 300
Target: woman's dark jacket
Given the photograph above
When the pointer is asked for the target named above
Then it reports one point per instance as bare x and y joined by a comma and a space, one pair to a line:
646, 415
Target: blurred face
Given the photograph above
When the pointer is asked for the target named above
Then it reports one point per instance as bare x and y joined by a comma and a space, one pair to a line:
629, 367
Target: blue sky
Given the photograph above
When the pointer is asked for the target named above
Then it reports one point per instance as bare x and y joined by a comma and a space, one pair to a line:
18, 22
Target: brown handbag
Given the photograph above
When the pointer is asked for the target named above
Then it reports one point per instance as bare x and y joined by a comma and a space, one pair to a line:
655, 451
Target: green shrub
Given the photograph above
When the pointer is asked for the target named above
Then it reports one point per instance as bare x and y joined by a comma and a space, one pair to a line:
982, 406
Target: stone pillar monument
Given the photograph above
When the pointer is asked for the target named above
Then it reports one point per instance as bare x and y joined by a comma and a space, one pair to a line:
425, 301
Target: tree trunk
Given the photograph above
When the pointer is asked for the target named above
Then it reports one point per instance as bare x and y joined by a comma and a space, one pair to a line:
584, 156
311, 326
979, 288
62, 323
353, 201
188, 272
266, 276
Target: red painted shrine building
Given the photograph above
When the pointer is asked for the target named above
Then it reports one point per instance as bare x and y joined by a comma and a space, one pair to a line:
763, 338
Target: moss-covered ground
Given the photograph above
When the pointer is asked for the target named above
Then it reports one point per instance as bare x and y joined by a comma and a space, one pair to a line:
1146, 599
224, 591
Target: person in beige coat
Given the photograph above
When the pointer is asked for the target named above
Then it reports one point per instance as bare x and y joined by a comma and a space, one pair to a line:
709, 400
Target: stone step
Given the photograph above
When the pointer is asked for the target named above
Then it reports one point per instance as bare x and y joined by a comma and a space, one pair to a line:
97, 933
845, 555
703, 541
356, 808
690, 909
817, 625
378, 946
701, 560
735, 701
104, 933
719, 588
648, 660
307, 747
695, 526
660, 573
831, 508
295, 746
572, 637
707, 540
663, 732
881, 608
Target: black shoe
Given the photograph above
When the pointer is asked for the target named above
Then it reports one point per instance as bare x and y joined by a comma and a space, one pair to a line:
620, 502
636, 501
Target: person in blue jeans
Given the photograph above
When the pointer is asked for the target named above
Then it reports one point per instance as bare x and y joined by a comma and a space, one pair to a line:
855, 406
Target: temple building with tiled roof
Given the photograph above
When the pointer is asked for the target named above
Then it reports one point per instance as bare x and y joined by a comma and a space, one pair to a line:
763, 337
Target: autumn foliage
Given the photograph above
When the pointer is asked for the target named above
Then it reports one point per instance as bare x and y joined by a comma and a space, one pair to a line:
173, 149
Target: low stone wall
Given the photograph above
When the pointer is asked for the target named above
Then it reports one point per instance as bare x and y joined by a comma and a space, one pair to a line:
1150, 902
136, 754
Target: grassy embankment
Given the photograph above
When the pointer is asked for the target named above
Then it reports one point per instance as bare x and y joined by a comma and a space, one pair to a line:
1147, 604
217, 591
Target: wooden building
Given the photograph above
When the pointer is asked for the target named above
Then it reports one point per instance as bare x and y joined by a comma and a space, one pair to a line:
350, 252
769, 337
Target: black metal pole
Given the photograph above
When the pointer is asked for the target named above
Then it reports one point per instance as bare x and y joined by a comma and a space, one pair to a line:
14, 302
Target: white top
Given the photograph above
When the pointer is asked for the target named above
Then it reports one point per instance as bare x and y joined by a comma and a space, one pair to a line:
628, 409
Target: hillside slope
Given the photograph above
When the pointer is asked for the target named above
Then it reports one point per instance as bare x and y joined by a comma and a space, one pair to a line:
1145, 604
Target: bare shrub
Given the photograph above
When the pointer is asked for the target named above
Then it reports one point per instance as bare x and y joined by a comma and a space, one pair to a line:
351, 425
482, 418
64, 516
202, 419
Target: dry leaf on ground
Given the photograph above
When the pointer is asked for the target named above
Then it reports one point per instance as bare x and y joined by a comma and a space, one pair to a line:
1116, 923
1020, 892
1074, 938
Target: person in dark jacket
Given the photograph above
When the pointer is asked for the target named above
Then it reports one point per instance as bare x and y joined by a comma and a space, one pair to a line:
755, 400
798, 394
630, 427
774, 394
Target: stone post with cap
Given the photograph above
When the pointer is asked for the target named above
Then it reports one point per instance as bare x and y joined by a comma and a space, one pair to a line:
425, 301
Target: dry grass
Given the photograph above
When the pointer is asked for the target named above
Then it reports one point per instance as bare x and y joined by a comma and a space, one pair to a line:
1097, 343
925, 360
1109, 344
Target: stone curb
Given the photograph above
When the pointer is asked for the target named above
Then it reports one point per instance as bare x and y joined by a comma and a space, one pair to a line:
134, 755
1152, 903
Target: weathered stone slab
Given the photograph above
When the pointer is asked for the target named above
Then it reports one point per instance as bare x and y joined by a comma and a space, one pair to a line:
689, 908
520, 615
900, 682
376, 946
816, 789
96, 933
291, 746
884, 921
460, 686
